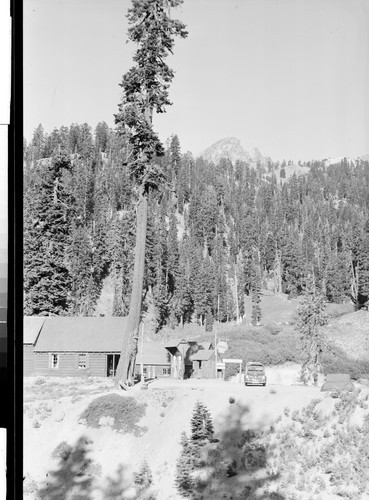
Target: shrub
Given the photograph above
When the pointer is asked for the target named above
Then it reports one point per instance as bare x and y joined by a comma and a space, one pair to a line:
125, 411
337, 361
263, 345
29, 485
143, 478
273, 329
40, 381
63, 451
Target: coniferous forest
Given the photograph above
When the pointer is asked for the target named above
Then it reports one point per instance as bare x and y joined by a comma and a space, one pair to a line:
215, 234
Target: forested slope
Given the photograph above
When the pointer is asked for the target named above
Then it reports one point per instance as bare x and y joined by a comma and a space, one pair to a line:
216, 232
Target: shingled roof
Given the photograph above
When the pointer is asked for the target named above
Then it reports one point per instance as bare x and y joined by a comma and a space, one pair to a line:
153, 353
81, 334
202, 355
31, 328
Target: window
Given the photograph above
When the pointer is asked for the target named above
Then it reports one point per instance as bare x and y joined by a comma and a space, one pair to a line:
145, 370
166, 371
54, 361
82, 361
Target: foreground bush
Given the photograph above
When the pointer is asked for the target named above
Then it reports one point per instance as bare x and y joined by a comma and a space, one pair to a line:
62, 451
124, 411
333, 449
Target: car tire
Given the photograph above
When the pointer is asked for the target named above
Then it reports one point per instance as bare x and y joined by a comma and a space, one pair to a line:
264, 384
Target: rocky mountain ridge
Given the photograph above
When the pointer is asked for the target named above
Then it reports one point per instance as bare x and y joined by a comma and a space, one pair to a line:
232, 149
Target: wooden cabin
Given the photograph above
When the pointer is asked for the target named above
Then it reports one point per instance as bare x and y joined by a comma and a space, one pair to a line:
156, 360
204, 364
83, 346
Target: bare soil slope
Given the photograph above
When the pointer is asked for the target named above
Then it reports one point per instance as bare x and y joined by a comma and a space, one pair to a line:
53, 409
350, 332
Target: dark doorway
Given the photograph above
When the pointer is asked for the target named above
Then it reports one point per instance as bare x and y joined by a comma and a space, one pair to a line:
188, 371
112, 364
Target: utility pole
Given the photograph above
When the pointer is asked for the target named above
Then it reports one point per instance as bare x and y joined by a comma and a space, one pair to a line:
142, 336
216, 352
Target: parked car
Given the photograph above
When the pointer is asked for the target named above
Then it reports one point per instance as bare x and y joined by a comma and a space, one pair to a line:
255, 373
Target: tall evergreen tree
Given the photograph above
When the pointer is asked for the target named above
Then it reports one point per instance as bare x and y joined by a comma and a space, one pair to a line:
202, 431
185, 466
48, 280
363, 268
202, 428
145, 90
311, 318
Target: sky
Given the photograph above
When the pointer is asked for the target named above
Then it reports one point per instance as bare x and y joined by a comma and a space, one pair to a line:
289, 77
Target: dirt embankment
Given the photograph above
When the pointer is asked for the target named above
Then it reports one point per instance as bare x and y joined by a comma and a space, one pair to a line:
50, 420
350, 332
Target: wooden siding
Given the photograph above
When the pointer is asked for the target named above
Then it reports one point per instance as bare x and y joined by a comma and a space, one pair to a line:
152, 371
28, 361
68, 365
96, 365
207, 369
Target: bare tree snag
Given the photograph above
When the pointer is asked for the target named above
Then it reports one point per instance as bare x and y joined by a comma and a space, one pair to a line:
125, 369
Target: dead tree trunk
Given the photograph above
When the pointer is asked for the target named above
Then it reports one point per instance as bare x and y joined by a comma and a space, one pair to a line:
277, 273
236, 294
126, 365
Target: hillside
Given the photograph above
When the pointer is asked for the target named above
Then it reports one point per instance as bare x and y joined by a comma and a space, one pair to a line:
62, 451
350, 332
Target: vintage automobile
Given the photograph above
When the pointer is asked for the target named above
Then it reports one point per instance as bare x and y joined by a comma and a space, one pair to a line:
255, 374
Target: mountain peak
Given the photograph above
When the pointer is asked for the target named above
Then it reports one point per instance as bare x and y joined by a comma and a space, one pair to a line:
232, 149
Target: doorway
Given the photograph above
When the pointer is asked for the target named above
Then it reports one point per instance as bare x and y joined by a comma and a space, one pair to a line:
112, 364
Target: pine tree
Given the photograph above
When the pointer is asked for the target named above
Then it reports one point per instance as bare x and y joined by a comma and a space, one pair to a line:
201, 423
145, 90
293, 264
38, 143
143, 479
185, 466
47, 278
220, 279
101, 136
363, 268
182, 300
338, 278
172, 253
190, 460
311, 318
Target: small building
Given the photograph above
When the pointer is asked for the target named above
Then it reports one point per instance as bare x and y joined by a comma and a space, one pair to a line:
182, 353
204, 364
83, 346
156, 360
